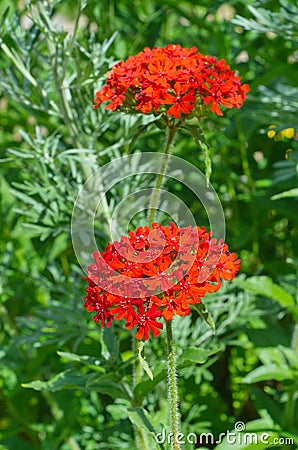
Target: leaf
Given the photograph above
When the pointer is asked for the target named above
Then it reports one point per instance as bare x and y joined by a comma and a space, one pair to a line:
208, 166
143, 388
199, 355
4, 15
263, 285
27, 200
201, 308
106, 385
72, 379
264, 402
16, 442
143, 361
109, 343
269, 372
282, 22
16, 60
142, 129
141, 419
69, 379
286, 194
89, 361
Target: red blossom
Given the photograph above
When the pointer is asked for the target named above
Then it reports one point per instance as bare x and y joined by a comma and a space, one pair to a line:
172, 80
145, 321
184, 264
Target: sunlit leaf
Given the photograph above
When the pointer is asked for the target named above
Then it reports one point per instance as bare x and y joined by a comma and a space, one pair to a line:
201, 308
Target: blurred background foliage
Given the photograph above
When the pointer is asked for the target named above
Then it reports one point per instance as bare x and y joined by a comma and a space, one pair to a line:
64, 383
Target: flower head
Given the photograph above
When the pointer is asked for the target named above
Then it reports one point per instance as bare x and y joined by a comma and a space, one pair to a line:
154, 274
173, 80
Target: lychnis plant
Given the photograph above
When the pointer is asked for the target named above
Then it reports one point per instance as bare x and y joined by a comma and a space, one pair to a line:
159, 271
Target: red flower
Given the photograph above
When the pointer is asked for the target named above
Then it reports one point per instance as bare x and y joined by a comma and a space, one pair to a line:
156, 273
145, 320
182, 100
172, 80
97, 300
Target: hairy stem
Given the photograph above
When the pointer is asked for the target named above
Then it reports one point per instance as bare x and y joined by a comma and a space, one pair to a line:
140, 434
160, 177
172, 380
172, 386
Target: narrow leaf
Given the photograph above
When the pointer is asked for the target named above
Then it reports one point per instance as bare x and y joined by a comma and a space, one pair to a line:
144, 388
286, 194
140, 418
269, 372
107, 386
87, 360
69, 379
143, 361
263, 285
199, 355
208, 167
201, 308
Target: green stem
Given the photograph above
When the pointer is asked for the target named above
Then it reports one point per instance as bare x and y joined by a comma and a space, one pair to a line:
172, 380
140, 434
173, 390
160, 177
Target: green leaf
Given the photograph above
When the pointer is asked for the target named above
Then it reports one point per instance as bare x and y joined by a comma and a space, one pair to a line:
17, 61
142, 129
141, 419
109, 343
73, 379
4, 15
199, 355
89, 361
201, 308
143, 361
269, 372
208, 165
143, 388
106, 385
16, 442
286, 194
264, 402
263, 285
69, 379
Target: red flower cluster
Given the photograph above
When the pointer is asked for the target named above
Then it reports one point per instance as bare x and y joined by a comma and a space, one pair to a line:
156, 273
173, 80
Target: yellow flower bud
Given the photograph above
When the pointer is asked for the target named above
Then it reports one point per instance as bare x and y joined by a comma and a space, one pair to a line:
271, 133
288, 133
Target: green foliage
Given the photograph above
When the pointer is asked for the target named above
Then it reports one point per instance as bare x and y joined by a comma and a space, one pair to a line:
284, 22
65, 383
